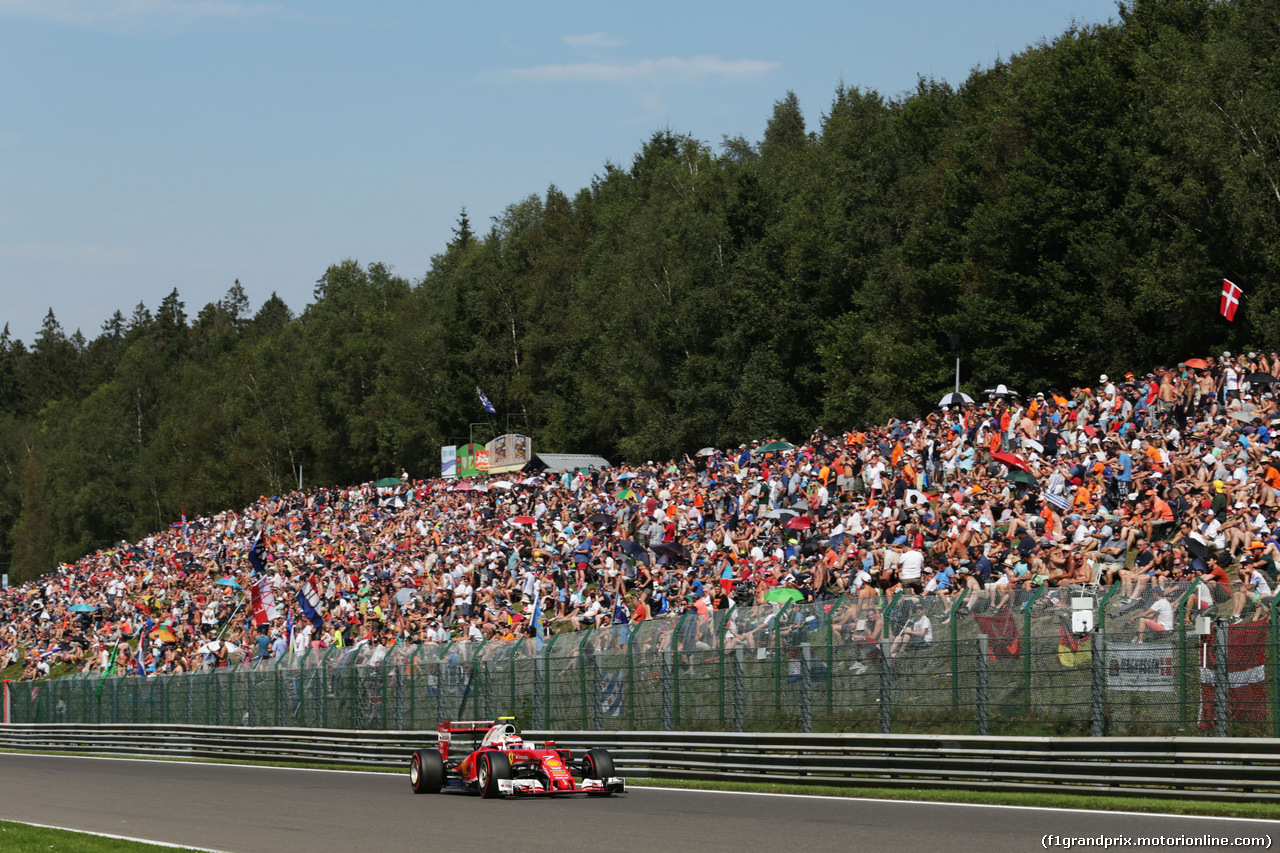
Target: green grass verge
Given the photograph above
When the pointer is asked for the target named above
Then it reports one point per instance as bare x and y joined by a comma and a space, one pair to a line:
1205, 807
20, 836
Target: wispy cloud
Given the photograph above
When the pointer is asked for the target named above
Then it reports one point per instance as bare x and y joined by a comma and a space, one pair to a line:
671, 69
593, 40
133, 13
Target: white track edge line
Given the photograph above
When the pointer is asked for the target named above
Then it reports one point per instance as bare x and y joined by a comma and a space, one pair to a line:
114, 837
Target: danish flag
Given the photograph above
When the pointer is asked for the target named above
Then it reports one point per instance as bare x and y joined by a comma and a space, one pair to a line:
1231, 294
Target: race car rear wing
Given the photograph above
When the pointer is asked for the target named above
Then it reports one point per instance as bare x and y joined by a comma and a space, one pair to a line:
446, 730
462, 727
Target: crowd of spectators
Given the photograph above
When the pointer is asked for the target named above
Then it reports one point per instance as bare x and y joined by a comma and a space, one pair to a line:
1142, 481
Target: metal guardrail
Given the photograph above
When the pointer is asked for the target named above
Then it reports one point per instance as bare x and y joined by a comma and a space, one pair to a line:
1243, 769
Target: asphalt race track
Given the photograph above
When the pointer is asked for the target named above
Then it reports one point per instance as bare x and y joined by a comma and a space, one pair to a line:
279, 810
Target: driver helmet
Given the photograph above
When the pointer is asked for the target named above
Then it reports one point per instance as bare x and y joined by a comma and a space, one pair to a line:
511, 738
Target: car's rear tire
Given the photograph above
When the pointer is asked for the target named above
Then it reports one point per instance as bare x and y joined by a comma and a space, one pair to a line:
426, 772
493, 767
598, 764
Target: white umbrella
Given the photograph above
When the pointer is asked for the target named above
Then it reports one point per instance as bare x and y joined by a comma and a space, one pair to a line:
501, 484
913, 497
955, 398
1034, 445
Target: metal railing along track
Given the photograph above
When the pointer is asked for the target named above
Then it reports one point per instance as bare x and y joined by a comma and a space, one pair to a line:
1177, 767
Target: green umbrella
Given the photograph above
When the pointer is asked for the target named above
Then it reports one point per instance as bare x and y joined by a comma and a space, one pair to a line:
775, 447
385, 482
784, 594
625, 494
1022, 477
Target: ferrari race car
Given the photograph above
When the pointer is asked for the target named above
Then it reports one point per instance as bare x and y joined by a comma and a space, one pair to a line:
503, 764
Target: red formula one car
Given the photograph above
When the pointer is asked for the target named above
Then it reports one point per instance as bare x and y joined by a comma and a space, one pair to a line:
503, 764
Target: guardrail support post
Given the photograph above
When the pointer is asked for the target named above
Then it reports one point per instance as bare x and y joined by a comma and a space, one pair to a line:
1098, 693
1221, 682
806, 689
739, 690
886, 692
666, 690
982, 698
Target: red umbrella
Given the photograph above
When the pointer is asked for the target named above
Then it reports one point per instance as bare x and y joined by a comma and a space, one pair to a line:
1012, 460
1197, 363
524, 519
463, 487
800, 522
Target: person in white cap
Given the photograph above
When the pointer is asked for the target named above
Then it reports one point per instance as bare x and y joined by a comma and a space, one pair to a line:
1107, 395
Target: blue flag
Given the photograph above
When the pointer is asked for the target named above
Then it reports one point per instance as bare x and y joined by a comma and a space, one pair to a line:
139, 658
540, 630
484, 401
309, 602
256, 554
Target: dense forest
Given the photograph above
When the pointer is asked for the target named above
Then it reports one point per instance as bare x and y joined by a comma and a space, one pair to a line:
1070, 210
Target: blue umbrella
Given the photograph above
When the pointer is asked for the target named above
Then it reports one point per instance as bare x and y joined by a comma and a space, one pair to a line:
82, 608
1058, 501
228, 582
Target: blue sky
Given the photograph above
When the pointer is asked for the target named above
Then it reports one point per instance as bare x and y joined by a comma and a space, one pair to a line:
153, 144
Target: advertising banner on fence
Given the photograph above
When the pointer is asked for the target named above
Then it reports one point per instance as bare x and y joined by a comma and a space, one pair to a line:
449, 462
509, 452
1147, 667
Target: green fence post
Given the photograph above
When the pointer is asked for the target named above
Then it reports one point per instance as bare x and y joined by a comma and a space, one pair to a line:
511, 660
831, 665
724, 627
631, 675
955, 650
582, 676
476, 682
1182, 653
1102, 607
1026, 636
777, 657
888, 634
1275, 680
675, 670
232, 718
546, 686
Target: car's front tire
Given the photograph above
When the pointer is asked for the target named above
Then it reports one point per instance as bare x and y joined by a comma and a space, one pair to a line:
492, 768
598, 764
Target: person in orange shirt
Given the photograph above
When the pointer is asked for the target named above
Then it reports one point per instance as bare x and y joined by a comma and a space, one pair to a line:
1268, 485
1083, 503
1160, 518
